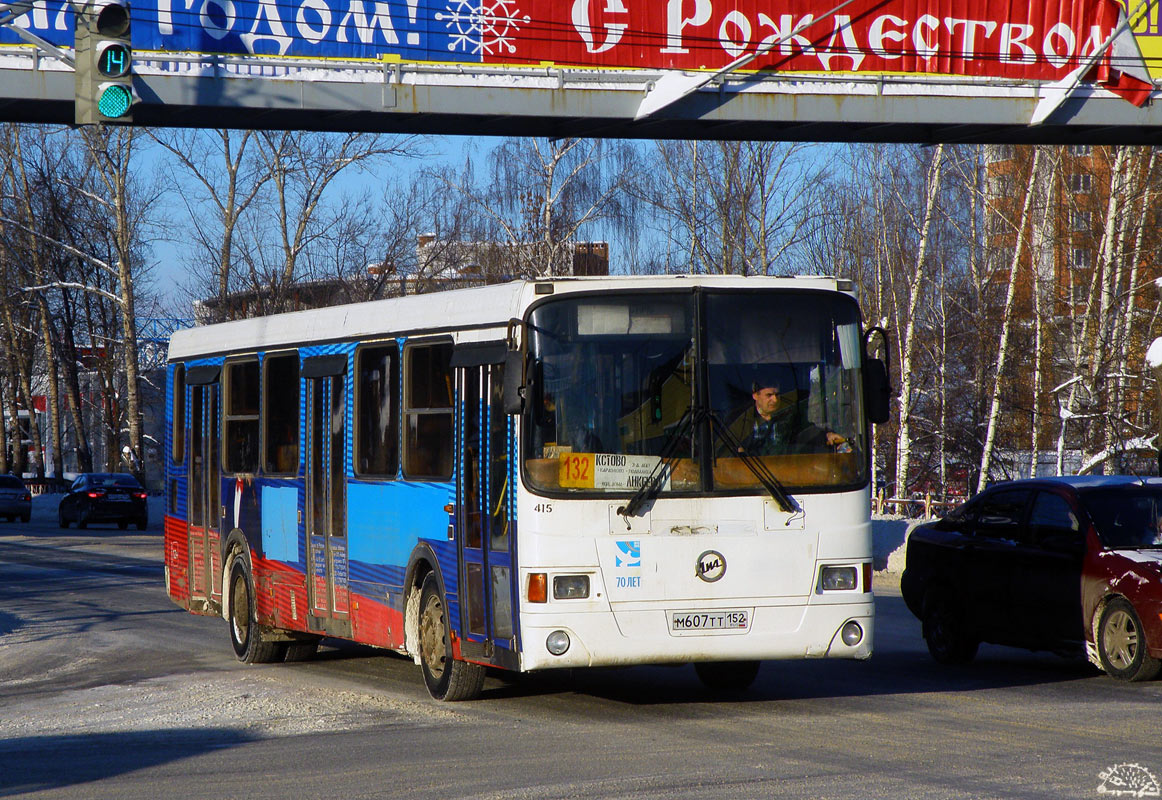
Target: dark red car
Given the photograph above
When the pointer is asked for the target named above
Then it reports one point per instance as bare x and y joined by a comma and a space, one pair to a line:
1056, 564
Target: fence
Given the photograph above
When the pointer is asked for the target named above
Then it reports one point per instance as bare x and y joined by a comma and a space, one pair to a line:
926, 507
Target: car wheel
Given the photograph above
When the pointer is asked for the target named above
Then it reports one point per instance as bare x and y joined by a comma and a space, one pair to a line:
61, 520
946, 632
1121, 643
142, 524
26, 517
82, 521
446, 678
246, 635
727, 676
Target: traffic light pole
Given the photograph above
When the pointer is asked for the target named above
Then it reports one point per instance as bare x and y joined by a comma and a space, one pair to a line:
85, 108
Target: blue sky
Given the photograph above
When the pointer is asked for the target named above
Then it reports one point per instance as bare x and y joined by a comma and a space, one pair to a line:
169, 259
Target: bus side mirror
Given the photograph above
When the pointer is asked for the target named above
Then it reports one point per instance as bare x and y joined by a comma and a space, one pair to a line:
514, 373
877, 382
877, 391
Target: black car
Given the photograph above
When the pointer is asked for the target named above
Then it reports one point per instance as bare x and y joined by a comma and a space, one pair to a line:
104, 497
1070, 564
15, 501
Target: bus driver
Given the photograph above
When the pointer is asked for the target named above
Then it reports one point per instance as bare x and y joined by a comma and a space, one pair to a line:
771, 427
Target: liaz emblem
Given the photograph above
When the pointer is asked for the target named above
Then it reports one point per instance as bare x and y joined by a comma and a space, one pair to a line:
711, 566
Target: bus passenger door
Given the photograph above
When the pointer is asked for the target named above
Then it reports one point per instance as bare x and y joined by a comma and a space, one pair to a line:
326, 500
485, 533
204, 506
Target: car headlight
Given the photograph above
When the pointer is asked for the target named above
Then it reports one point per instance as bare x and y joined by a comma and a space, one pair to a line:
833, 579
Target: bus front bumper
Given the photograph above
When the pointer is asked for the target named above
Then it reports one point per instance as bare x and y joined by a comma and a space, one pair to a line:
628, 636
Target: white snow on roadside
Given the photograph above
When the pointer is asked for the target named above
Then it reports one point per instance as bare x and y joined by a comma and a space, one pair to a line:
889, 543
257, 702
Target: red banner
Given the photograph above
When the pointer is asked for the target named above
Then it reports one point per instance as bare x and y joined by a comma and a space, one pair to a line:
1021, 40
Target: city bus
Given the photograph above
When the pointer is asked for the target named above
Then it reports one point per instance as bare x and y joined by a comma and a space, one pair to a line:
532, 475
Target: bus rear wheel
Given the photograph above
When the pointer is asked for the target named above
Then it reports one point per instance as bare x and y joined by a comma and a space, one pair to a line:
245, 632
446, 678
727, 676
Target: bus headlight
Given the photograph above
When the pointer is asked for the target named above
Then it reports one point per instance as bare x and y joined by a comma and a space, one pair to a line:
851, 633
833, 579
570, 587
557, 643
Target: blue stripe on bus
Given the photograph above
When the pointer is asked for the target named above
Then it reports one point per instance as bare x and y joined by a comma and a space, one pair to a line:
384, 520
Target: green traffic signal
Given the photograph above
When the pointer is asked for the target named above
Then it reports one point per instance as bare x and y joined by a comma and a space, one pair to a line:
114, 100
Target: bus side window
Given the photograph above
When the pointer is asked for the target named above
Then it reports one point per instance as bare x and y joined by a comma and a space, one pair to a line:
280, 414
376, 411
240, 420
428, 411
178, 418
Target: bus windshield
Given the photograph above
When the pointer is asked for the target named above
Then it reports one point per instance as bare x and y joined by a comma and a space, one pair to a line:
770, 379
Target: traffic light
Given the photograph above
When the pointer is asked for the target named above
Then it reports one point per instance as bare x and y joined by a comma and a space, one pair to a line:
104, 62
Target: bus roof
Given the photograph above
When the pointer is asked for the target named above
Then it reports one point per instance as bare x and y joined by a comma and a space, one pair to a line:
451, 310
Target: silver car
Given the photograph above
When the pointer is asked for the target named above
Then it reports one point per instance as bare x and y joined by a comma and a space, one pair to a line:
15, 501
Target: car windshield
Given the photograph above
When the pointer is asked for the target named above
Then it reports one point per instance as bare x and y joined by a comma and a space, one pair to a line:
665, 387
1126, 517
114, 481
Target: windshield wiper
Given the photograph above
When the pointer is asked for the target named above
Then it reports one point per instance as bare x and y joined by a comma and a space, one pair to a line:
652, 485
755, 465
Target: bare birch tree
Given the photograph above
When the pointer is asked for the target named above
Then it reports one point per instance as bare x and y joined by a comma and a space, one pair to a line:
908, 322
1007, 320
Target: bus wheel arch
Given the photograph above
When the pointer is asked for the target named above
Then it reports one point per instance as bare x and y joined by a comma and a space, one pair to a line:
251, 642
446, 677
234, 547
422, 563
428, 634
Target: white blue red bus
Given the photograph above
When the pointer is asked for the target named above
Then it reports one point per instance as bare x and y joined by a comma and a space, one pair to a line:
533, 475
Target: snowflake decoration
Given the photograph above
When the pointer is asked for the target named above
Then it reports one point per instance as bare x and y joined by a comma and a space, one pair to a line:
487, 27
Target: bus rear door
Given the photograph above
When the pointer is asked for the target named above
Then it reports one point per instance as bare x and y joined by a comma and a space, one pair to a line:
483, 512
204, 506
326, 500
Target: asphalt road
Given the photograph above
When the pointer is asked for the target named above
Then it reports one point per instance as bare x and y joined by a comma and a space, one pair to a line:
108, 690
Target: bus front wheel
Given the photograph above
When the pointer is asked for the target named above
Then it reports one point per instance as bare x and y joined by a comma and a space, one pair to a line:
446, 678
245, 632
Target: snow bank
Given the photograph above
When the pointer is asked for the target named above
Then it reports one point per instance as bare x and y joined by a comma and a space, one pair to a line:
890, 541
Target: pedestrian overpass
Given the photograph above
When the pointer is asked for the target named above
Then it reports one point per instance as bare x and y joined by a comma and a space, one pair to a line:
1071, 71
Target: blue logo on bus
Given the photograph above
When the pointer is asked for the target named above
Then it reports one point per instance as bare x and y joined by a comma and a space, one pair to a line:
630, 555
